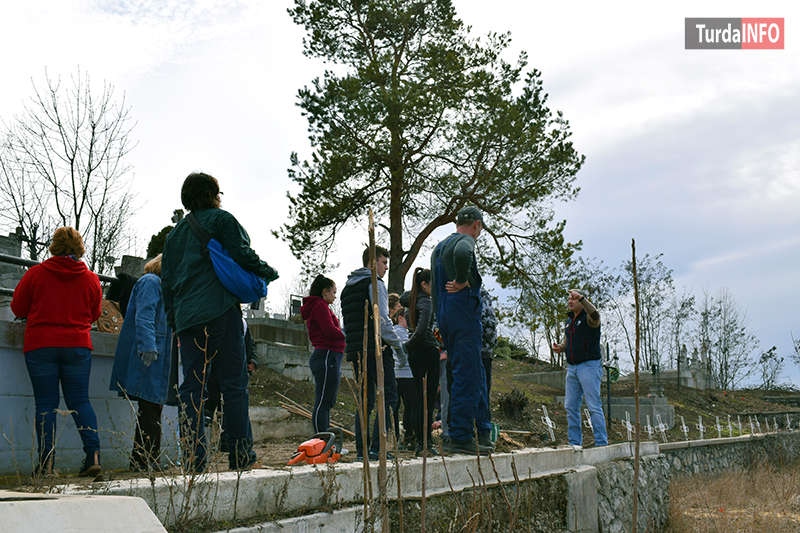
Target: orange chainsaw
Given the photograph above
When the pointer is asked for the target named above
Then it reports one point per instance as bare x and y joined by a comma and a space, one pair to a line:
324, 447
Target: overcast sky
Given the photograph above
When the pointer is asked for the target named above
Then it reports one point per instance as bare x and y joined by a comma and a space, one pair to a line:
694, 153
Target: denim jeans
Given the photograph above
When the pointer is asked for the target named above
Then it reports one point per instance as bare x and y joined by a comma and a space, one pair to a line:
326, 367
70, 366
390, 399
224, 355
584, 379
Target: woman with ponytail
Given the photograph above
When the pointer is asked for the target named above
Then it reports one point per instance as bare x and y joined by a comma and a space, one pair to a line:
328, 341
423, 352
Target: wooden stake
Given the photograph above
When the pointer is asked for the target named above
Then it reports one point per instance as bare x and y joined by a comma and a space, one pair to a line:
634, 527
380, 396
424, 448
362, 411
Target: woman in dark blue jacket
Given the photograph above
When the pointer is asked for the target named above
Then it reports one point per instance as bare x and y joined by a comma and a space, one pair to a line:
143, 364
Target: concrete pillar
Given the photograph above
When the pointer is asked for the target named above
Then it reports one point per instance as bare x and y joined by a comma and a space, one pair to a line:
582, 500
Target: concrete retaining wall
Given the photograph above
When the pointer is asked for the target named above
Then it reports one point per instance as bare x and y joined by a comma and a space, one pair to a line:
115, 415
550, 490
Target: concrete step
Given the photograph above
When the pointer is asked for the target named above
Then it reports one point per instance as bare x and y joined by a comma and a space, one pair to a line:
24, 512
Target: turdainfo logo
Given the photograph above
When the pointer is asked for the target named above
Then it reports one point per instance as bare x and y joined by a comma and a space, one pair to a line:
734, 34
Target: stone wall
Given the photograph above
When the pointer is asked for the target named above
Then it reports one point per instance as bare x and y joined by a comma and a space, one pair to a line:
717, 456
615, 495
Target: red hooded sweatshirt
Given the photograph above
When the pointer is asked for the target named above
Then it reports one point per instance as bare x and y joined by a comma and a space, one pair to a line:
60, 298
322, 324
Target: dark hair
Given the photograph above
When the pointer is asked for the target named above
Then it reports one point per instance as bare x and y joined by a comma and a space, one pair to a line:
380, 251
420, 275
320, 284
67, 241
200, 191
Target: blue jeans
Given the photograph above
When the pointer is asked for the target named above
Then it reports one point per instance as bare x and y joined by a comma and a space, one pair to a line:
389, 396
224, 355
326, 366
583, 380
70, 366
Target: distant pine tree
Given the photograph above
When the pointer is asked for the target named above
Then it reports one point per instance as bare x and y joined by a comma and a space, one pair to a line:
156, 245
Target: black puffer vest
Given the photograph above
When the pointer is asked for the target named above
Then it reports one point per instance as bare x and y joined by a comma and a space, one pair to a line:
353, 299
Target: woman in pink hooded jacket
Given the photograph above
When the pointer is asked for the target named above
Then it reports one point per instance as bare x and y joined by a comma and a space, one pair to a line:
328, 340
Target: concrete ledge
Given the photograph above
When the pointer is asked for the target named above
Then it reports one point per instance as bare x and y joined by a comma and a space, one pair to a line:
706, 442
272, 423
225, 496
41, 513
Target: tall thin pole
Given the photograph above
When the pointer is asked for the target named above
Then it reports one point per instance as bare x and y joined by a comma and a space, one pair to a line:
635, 394
608, 387
380, 397
425, 427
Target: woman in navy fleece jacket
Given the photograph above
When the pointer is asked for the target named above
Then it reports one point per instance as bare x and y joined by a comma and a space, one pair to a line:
328, 341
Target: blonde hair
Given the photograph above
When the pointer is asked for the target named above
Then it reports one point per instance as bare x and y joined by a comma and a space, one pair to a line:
153, 266
67, 241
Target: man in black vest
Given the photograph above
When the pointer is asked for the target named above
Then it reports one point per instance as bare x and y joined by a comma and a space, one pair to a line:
356, 292
581, 346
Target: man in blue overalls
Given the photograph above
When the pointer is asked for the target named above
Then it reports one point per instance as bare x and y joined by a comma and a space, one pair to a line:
457, 300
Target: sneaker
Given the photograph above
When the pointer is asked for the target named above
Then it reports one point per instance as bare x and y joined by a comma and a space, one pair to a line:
485, 439
255, 465
374, 456
91, 466
469, 447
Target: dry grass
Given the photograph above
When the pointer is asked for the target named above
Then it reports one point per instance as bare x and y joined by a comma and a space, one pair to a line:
764, 499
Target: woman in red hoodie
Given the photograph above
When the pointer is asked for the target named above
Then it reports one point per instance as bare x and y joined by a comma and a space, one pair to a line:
328, 340
61, 298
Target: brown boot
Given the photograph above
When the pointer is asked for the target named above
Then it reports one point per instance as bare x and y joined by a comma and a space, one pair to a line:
44, 468
91, 466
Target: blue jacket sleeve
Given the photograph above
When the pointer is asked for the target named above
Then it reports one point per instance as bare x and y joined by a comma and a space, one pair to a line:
148, 298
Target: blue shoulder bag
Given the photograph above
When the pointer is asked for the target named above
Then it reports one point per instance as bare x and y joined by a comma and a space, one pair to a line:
245, 285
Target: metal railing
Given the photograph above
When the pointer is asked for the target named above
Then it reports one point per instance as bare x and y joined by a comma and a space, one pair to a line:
4, 291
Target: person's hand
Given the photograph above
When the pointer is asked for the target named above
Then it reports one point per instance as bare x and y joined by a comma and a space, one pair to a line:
402, 357
271, 274
575, 295
251, 367
148, 357
453, 286
556, 348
